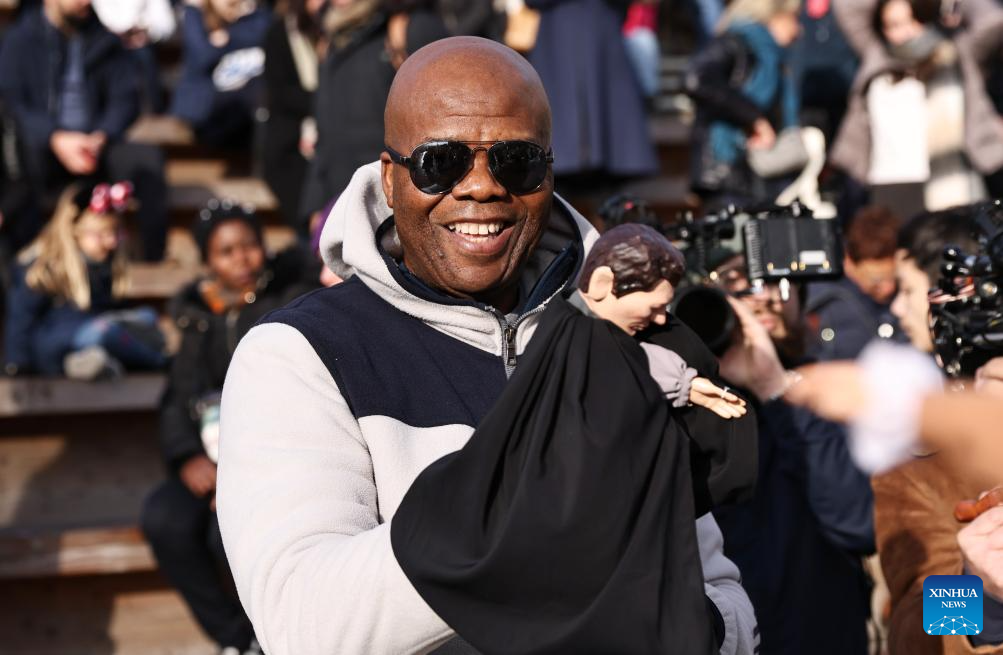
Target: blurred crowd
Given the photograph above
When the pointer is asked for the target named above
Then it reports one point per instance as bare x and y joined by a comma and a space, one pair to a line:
882, 115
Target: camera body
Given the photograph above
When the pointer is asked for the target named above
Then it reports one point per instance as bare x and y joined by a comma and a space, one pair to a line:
779, 244
966, 306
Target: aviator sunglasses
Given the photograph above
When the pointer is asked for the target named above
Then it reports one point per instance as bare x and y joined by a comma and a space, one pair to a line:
438, 166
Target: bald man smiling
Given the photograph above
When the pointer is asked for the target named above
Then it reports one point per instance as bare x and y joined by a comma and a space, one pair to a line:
452, 246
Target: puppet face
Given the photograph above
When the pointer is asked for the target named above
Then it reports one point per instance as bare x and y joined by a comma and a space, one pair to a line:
631, 312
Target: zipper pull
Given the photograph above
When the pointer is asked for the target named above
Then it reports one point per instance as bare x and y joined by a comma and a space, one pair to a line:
510, 346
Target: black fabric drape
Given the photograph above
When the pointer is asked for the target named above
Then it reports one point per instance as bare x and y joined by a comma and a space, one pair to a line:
566, 524
724, 452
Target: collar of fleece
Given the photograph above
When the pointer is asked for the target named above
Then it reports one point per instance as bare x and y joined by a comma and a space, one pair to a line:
352, 243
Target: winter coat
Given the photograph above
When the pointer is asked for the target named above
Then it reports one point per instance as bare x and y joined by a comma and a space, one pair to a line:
600, 124
40, 328
208, 341
737, 78
32, 62
851, 150
918, 536
845, 320
354, 84
196, 92
804, 530
288, 104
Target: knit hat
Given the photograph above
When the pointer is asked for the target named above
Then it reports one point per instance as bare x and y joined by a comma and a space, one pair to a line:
218, 211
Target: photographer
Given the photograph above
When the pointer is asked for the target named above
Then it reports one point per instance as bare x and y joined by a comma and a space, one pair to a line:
810, 519
848, 313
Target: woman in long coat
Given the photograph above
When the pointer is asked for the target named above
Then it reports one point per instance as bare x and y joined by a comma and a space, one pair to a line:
600, 123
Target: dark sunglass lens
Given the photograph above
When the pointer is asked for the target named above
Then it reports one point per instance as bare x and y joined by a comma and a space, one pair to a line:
436, 167
519, 165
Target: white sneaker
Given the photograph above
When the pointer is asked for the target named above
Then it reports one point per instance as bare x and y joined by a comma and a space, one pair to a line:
229, 650
92, 363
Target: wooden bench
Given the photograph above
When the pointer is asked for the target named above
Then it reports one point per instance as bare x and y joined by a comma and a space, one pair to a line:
76, 576
37, 396
45, 552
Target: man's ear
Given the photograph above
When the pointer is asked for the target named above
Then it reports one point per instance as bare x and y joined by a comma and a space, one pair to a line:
387, 178
600, 284
849, 266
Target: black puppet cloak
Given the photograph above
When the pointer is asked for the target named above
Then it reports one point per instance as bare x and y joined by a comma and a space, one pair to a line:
724, 452
566, 524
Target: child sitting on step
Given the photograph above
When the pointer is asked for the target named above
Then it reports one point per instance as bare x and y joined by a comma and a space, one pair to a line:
65, 312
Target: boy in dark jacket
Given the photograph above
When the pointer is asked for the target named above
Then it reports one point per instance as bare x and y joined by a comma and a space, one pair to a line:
213, 313
73, 90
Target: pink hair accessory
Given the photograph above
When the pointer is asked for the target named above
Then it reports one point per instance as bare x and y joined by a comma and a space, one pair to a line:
113, 197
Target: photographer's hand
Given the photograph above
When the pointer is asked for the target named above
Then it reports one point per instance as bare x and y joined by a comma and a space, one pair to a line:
989, 377
833, 390
753, 363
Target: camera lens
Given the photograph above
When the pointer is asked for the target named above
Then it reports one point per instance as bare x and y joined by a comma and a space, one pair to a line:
706, 311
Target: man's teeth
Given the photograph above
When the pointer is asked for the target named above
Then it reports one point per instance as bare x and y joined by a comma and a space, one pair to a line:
477, 229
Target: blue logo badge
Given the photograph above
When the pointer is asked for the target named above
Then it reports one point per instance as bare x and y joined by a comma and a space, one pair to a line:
952, 605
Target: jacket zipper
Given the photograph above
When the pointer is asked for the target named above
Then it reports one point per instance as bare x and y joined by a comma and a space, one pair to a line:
509, 332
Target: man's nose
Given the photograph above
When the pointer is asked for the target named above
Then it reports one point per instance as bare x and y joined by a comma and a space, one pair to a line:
659, 317
479, 184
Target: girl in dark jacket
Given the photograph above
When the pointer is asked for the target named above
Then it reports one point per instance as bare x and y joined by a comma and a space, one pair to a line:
219, 87
64, 308
213, 313
744, 93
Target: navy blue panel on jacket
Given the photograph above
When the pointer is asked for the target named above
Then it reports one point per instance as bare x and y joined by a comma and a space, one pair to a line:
387, 363
797, 541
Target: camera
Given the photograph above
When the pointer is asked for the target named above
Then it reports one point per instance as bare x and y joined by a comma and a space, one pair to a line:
780, 245
966, 306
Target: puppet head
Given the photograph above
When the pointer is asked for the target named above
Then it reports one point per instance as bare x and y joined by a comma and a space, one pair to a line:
630, 276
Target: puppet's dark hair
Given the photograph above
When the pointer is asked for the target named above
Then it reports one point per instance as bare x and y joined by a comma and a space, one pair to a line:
639, 256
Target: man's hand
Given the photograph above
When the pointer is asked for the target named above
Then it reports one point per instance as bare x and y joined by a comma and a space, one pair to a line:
753, 363
725, 404
199, 475
762, 137
989, 378
78, 152
981, 543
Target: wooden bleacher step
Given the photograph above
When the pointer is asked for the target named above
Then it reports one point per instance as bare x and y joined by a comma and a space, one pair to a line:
36, 396
39, 553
